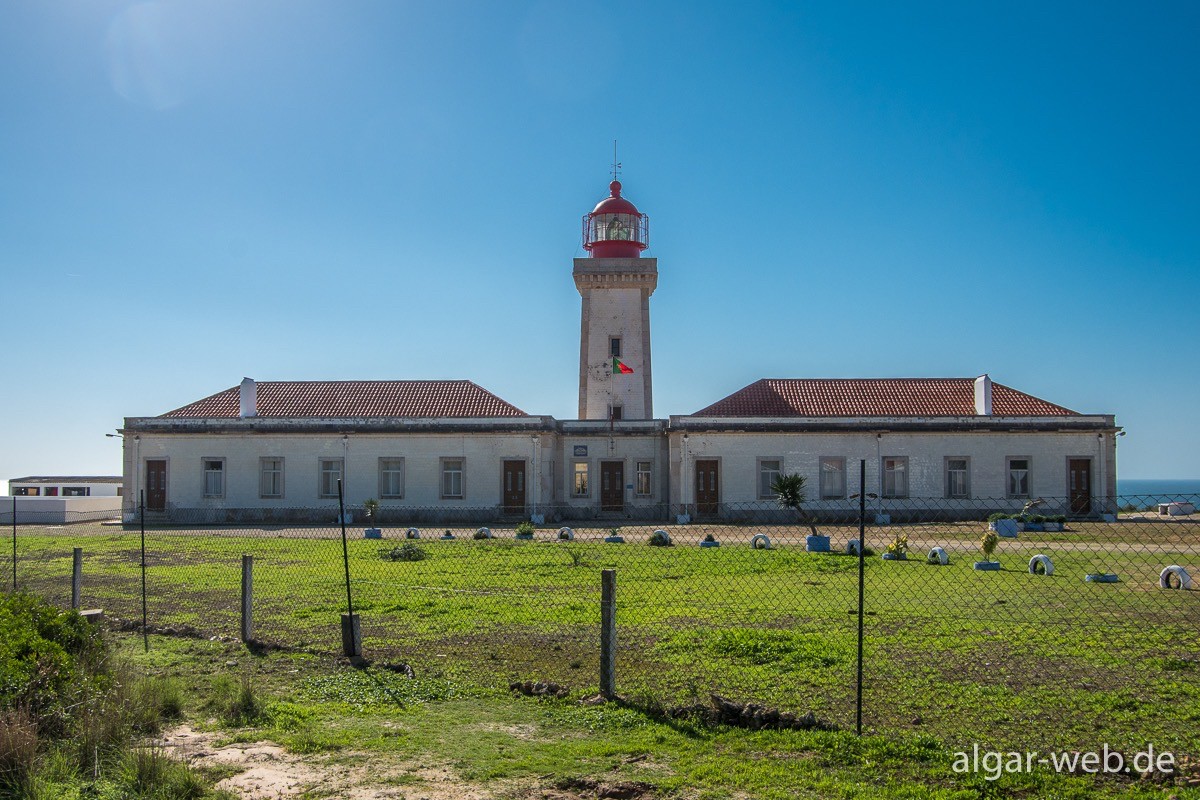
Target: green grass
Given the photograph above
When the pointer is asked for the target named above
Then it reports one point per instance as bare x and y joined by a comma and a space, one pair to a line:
338, 717
949, 650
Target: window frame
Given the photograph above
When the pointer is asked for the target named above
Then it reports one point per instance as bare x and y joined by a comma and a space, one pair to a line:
321, 471
615, 345
383, 483
638, 472
204, 473
821, 472
1008, 477
947, 493
883, 477
587, 479
444, 471
764, 490
262, 474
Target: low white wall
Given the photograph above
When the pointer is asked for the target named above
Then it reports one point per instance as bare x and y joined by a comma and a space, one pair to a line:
59, 510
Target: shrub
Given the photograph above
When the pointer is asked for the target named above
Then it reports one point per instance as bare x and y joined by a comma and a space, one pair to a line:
899, 545
525, 528
998, 516
405, 552
237, 702
18, 752
660, 538
153, 701
988, 544
151, 773
44, 652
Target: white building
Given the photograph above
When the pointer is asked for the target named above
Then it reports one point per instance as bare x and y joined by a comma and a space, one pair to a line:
450, 449
60, 499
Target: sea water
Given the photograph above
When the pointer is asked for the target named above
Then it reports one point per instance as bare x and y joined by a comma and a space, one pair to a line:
1158, 490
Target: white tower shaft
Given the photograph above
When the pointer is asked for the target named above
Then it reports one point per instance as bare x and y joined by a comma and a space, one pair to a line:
615, 316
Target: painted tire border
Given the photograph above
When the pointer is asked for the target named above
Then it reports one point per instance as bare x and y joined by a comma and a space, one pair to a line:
760, 541
1164, 579
1045, 562
938, 556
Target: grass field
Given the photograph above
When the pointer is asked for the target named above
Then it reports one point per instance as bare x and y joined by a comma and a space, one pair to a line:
1004, 658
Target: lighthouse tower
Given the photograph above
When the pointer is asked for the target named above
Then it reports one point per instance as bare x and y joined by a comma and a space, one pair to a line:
615, 283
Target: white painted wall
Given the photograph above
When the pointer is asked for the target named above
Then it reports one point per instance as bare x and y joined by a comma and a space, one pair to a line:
60, 510
482, 453
739, 454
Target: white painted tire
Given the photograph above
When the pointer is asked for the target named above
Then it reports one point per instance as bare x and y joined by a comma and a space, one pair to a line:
938, 556
1044, 562
661, 534
412, 533
1180, 574
760, 541
487, 533
566, 534
852, 547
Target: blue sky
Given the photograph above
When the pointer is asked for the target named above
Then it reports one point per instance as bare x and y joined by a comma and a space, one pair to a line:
195, 191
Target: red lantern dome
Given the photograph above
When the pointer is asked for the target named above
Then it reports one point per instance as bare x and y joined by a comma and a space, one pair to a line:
615, 228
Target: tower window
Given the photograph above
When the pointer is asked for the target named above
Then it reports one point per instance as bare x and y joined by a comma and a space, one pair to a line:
615, 412
614, 346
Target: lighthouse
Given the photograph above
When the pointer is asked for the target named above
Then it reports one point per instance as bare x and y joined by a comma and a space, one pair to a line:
615, 283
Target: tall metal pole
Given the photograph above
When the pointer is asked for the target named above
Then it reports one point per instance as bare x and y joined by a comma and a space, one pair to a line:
345, 549
862, 546
14, 542
145, 631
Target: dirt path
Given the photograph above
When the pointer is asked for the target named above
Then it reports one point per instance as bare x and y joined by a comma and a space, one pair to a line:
268, 772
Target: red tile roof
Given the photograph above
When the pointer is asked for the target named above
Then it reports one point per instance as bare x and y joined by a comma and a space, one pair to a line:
342, 399
875, 397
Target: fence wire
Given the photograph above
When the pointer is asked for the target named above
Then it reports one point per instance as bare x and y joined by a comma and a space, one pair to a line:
1070, 622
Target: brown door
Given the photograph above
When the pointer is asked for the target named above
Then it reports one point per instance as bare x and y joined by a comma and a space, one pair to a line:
707, 486
514, 487
1079, 482
156, 485
612, 485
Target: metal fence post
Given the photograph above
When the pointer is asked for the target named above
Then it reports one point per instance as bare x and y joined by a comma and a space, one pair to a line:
145, 631
247, 598
76, 577
14, 522
862, 547
351, 630
608, 633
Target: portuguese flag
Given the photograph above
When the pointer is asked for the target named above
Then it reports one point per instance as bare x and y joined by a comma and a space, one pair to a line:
621, 369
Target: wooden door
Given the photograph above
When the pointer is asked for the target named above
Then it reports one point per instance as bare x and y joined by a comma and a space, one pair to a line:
1079, 484
156, 485
514, 487
612, 485
707, 487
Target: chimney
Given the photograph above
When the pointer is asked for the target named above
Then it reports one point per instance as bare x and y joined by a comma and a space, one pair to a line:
983, 395
248, 395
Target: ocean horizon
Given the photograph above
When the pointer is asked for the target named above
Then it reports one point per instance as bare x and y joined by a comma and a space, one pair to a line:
1158, 490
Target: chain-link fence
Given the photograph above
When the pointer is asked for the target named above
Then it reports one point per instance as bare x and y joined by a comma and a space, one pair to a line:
1026, 629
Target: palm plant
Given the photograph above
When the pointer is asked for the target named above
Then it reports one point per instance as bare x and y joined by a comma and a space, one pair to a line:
789, 491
